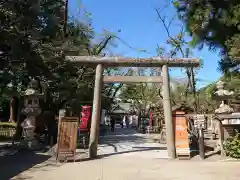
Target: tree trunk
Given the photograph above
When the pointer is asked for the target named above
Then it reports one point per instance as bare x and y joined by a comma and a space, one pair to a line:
11, 118
195, 104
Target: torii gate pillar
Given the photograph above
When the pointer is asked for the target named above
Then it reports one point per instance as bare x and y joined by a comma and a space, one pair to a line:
95, 121
168, 113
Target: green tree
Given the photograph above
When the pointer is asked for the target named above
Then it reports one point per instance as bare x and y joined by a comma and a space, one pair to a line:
142, 95
35, 37
179, 47
25, 27
215, 23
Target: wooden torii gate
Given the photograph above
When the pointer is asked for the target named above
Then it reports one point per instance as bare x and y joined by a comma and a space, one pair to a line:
102, 62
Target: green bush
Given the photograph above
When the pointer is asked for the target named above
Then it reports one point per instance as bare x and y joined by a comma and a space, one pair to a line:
232, 146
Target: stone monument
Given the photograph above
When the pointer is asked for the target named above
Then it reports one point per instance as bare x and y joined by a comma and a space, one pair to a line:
31, 110
223, 95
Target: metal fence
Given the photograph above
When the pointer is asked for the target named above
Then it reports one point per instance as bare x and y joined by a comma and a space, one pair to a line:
7, 130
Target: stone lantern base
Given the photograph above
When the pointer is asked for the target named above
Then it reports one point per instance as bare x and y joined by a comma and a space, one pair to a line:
30, 140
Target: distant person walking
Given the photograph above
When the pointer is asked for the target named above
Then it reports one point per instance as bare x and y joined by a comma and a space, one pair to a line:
52, 127
124, 121
121, 123
130, 120
107, 121
127, 121
112, 122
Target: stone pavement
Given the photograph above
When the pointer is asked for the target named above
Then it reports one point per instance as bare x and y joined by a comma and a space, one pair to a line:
135, 168
128, 142
125, 156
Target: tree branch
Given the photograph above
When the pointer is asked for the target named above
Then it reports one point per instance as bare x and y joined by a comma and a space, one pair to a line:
168, 32
103, 44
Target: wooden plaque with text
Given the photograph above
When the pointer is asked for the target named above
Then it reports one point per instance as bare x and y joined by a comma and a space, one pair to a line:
67, 137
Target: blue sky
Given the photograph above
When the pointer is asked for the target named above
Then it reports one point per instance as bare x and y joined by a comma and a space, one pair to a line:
140, 29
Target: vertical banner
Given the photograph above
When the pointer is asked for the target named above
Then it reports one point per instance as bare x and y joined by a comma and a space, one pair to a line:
151, 119
85, 117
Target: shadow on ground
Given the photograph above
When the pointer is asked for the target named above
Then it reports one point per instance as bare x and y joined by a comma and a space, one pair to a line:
101, 156
140, 149
13, 165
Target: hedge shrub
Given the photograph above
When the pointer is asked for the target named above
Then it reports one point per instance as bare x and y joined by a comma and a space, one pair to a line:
232, 146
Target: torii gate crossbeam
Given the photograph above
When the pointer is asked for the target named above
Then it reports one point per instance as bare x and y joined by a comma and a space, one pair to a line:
133, 62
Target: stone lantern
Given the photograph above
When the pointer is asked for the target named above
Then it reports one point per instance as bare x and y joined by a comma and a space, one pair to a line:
221, 91
31, 110
223, 94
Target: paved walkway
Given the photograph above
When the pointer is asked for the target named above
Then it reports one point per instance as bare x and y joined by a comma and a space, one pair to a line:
125, 156
129, 143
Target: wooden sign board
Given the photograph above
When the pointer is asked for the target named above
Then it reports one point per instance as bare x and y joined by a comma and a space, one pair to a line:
181, 135
67, 137
200, 121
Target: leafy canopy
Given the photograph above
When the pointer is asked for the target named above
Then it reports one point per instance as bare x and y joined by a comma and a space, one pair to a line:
215, 23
